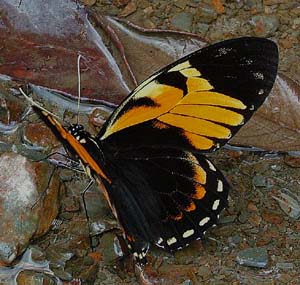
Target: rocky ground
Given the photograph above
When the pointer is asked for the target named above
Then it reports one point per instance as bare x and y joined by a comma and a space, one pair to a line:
257, 240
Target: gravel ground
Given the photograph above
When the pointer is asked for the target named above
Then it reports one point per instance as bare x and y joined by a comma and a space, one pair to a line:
257, 240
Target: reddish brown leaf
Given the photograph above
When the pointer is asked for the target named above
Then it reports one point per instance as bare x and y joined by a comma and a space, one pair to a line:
42, 48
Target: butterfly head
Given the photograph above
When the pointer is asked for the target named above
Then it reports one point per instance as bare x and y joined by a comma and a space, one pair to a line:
78, 131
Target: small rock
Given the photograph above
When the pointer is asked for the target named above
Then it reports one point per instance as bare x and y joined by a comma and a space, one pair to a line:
204, 272
227, 219
235, 240
289, 203
292, 161
255, 220
207, 14
41, 139
285, 265
276, 167
218, 6
26, 213
259, 181
252, 207
182, 21
266, 237
254, 257
120, 3
11, 113
250, 4
273, 2
180, 4
89, 2
244, 216
271, 217
202, 28
286, 43
129, 9
265, 26
187, 282
107, 247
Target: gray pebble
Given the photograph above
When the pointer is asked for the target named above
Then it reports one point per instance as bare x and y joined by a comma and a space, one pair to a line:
183, 21
254, 257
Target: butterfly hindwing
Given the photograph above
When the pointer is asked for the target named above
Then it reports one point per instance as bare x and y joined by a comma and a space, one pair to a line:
199, 102
166, 197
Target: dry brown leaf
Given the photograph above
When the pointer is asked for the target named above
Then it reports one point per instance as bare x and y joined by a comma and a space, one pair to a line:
276, 125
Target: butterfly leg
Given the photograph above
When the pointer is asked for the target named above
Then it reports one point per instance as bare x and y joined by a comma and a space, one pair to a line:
85, 210
44, 193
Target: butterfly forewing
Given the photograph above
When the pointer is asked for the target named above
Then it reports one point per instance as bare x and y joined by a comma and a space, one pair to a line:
199, 102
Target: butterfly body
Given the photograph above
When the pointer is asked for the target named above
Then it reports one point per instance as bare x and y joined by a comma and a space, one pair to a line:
149, 155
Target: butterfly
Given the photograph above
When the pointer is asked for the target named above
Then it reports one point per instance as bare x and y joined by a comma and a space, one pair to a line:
149, 155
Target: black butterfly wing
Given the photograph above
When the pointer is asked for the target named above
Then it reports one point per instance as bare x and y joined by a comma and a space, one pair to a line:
159, 189
166, 197
194, 105
197, 103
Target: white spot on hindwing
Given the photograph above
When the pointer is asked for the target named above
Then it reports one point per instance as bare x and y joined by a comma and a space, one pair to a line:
171, 240
211, 166
188, 233
216, 204
220, 186
204, 221
83, 140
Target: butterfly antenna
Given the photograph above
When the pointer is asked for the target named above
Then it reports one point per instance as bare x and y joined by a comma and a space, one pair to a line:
32, 102
79, 87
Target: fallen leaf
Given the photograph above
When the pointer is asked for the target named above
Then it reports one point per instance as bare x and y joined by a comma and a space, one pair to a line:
276, 125
140, 43
50, 47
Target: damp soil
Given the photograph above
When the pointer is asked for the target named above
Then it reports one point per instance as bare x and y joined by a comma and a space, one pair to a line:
258, 217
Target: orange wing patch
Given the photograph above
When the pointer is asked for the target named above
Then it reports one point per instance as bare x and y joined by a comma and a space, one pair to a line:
77, 146
200, 114
191, 207
164, 97
211, 113
196, 126
199, 192
212, 98
199, 142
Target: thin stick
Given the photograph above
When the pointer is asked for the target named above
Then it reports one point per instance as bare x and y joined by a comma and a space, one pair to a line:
38, 105
79, 87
